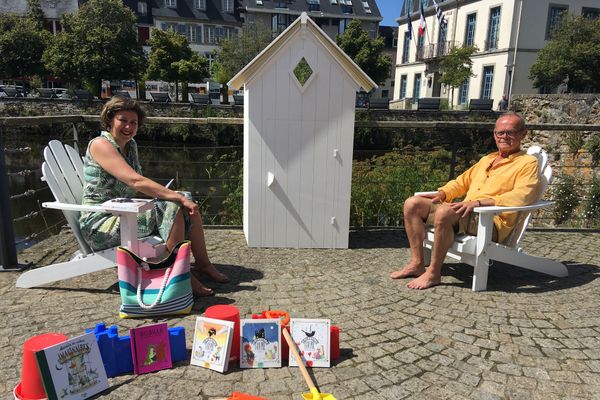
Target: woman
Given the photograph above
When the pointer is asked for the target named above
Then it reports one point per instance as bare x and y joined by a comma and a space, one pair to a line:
112, 169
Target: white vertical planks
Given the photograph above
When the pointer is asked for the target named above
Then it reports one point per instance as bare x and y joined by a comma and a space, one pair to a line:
301, 136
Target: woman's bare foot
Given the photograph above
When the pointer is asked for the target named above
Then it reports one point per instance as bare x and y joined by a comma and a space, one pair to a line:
410, 269
425, 281
198, 289
211, 271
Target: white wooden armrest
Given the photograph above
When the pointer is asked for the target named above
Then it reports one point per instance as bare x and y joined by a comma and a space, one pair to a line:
71, 207
499, 209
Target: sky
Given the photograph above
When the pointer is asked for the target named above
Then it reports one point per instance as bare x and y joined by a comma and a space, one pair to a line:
390, 10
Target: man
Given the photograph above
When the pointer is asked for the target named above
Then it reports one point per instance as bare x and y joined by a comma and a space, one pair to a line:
508, 177
503, 104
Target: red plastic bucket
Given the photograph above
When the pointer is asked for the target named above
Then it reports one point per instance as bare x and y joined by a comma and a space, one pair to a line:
228, 313
31, 387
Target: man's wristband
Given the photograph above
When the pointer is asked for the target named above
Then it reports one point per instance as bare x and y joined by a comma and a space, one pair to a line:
478, 203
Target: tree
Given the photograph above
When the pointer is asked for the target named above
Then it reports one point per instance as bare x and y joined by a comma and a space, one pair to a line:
366, 52
98, 42
236, 52
457, 67
172, 60
35, 13
571, 57
21, 46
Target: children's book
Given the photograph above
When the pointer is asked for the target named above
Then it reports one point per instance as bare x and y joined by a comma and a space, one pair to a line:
150, 348
72, 369
127, 204
212, 343
260, 343
312, 338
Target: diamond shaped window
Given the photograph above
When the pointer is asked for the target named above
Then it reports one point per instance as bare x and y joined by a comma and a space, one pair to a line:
303, 71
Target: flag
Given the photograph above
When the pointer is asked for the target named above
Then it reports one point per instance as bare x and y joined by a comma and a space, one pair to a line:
440, 14
421, 20
409, 24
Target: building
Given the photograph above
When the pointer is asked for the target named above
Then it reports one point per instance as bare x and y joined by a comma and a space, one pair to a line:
53, 10
390, 38
508, 35
332, 16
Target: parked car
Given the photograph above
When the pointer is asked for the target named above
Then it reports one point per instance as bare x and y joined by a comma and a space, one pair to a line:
62, 93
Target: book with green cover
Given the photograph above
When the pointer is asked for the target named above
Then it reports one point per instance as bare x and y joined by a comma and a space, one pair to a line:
72, 369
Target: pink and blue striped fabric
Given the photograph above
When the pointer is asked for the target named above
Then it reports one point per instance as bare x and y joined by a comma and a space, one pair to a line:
177, 295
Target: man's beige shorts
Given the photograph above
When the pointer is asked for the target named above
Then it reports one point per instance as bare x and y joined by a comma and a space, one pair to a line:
467, 225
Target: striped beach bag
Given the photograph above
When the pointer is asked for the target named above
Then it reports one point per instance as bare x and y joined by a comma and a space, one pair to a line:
152, 289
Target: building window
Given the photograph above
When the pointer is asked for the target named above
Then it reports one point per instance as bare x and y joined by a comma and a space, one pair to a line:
200, 4
279, 22
403, 83
385, 93
343, 25
228, 5
142, 8
373, 30
314, 5
470, 30
590, 13
486, 84
555, 17
406, 48
209, 34
395, 42
171, 3
463, 95
417, 87
346, 6
493, 27
210, 57
166, 26
194, 34
281, 4
143, 34
366, 7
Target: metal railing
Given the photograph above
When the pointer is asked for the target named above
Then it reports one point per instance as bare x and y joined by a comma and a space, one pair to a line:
7, 237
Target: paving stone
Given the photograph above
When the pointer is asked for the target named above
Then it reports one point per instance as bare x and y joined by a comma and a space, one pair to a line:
528, 337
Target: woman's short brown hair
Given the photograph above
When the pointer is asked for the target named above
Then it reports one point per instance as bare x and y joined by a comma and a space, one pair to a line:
117, 104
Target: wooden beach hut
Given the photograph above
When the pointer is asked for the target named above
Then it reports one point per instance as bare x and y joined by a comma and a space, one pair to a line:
299, 101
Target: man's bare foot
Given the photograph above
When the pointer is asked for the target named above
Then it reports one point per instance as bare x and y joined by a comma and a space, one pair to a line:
199, 290
425, 281
211, 271
410, 269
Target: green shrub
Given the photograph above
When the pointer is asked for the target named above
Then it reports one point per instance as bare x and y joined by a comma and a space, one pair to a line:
593, 147
381, 184
566, 199
574, 141
592, 205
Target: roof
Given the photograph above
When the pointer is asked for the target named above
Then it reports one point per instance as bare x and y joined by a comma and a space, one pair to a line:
185, 10
327, 9
255, 66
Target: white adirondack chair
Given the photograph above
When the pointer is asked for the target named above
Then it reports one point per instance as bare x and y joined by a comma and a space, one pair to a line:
479, 251
63, 171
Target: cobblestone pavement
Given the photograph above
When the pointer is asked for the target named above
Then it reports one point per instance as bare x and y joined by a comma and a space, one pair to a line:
528, 337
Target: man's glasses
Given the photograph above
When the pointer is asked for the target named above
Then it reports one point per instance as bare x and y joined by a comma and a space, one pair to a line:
510, 134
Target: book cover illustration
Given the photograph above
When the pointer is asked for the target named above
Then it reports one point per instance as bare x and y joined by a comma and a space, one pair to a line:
72, 369
312, 338
150, 348
212, 343
260, 343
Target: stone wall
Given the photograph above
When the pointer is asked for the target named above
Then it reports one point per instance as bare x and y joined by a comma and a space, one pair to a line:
566, 148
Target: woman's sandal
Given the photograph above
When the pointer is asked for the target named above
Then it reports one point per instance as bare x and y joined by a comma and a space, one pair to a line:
212, 272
